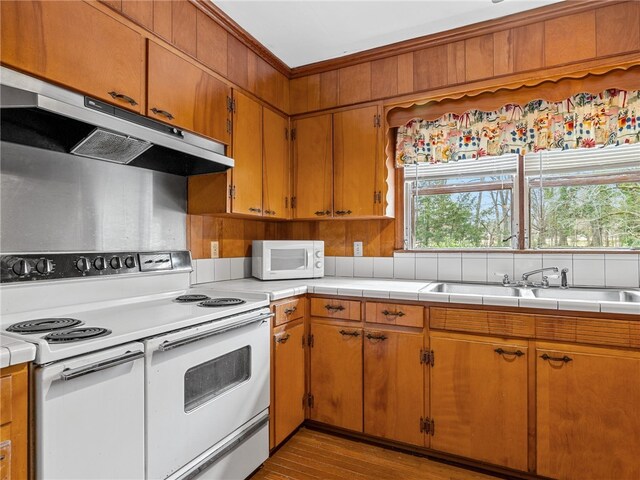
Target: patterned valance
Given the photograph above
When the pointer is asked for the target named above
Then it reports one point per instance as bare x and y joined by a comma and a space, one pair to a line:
582, 121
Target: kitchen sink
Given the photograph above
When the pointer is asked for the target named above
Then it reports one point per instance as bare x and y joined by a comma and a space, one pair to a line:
473, 289
588, 294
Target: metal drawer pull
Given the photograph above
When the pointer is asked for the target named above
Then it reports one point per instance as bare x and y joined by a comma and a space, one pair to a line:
163, 347
164, 113
517, 353
320, 213
283, 338
381, 337
289, 311
564, 359
256, 210
343, 212
121, 96
98, 366
334, 308
349, 334
269, 212
399, 313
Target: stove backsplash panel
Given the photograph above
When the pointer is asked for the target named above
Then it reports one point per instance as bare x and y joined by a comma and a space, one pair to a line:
57, 202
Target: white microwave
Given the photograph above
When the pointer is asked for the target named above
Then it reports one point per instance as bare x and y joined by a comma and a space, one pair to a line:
283, 259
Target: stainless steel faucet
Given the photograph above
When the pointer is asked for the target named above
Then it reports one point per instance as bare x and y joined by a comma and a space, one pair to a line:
545, 279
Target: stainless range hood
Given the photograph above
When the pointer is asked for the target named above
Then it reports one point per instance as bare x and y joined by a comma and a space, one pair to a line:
42, 115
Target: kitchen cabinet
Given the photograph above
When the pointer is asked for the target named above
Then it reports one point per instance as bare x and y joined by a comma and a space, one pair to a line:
14, 399
75, 45
288, 381
313, 167
193, 100
479, 401
338, 167
276, 177
335, 385
587, 412
394, 387
336, 308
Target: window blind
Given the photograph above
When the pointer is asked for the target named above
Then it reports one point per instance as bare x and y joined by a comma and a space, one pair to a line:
484, 166
552, 162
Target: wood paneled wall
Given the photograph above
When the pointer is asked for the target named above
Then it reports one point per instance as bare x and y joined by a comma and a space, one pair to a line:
516, 48
235, 235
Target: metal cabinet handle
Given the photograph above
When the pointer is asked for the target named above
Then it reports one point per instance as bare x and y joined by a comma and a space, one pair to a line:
269, 212
2, 457
256, 210
381, 337
564, 359
501, 351
289, 311
343, 212
283, 338
164, 113
334, 308
127, 357
387, 313
321, 213
345, 333
122, 96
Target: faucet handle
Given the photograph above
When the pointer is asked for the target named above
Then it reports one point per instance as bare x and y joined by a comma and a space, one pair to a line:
505, 277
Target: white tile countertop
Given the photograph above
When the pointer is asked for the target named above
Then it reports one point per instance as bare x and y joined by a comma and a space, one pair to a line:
395, 289
14, 351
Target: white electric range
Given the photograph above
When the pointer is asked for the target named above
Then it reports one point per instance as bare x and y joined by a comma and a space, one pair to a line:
137, 375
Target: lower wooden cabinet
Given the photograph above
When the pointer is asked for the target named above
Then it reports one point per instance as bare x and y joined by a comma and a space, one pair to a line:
479, 392
394, 385
336, 376
588, 420
14, 398
288, 381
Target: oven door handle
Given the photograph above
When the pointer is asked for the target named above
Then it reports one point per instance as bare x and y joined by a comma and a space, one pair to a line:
102, 365
170, 345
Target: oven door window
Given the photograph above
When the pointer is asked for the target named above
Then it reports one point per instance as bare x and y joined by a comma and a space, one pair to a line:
206, 381
288, 259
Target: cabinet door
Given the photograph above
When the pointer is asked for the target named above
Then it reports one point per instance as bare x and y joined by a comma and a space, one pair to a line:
479, 399
247, 155
393, 385
336, 376
588, 424
313, 168
355, 136
75, 45
181, 94
276, 181
288, 379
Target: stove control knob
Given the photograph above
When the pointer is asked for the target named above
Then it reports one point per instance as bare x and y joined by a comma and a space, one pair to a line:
100, 263
318, 264
21, 268
130, 262
83, 264
44, 266
116, 263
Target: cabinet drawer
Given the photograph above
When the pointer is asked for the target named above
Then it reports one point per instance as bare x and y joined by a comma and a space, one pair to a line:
482, 321
395, 314
290, 310
330, 308
6, 412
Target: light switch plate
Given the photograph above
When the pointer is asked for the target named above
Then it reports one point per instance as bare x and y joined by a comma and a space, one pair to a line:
215, 252
357, 249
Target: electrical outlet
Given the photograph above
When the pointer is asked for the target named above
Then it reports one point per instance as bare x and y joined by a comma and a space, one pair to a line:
357, 249
215, 253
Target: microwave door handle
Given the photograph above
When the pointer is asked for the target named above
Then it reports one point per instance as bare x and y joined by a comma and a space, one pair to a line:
309, 259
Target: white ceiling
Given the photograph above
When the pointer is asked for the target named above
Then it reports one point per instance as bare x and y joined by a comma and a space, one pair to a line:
300, 32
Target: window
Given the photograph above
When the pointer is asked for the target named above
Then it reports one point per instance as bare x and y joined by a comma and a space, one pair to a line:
584, 198
464, 204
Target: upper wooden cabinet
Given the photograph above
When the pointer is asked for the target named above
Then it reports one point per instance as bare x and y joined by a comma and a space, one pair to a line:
313, 167
339, 171
181, 94
276, 174
479, 399
77, 46
587, 412
356, 173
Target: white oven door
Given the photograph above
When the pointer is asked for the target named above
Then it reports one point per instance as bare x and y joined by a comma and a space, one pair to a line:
90, 416
203, 383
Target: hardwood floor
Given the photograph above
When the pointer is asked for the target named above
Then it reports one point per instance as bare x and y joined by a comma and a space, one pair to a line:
316, 455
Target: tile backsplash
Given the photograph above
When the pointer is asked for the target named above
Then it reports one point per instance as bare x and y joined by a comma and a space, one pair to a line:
592, 270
